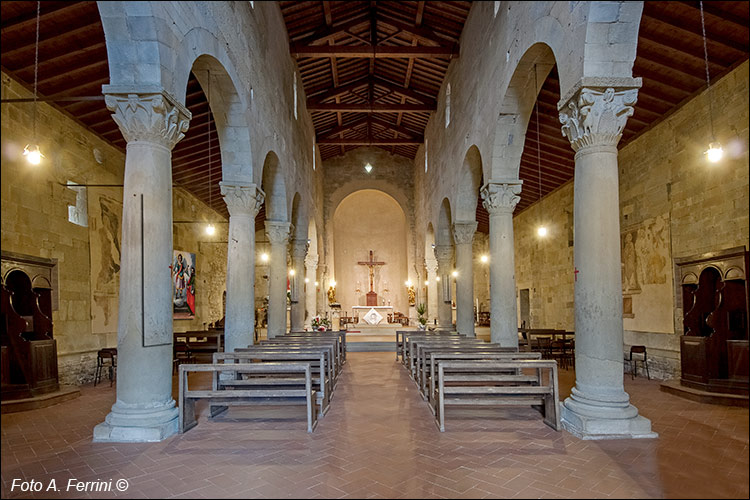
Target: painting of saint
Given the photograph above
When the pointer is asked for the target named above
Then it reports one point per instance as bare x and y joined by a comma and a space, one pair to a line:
183, 285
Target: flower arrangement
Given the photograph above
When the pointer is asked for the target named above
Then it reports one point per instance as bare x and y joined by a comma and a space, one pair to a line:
320, 324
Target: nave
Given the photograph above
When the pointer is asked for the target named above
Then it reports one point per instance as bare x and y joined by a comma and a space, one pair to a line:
379, 441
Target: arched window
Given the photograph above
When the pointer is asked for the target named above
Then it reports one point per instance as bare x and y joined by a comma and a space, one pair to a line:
315, 159
497, 7
425, 155
448, 106
295, 95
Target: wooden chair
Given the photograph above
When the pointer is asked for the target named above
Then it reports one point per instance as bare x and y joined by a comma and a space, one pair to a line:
106, 358
638, 350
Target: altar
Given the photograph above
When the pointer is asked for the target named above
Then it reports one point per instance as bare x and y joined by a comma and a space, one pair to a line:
372, 315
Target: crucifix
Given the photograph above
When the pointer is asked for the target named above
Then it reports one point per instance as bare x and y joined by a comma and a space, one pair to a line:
372, 297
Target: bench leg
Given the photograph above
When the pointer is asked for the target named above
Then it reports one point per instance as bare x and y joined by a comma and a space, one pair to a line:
216, 410
187, 415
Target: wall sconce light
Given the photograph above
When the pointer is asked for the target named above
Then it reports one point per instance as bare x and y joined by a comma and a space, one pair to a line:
264, 257
484, 259
368, 168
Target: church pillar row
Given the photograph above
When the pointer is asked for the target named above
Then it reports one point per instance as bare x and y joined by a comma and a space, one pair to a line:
432, 290
297, 313
599, 407
444, 256
278, 235
243, 203
463, 236
311, 306
152, 122
500, 199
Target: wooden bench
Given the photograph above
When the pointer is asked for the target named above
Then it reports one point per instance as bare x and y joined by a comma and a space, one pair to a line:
415, 343
436, 357
297, 389
408, 337
493, 383
328, 344
340, 335
321, 382
286, 349
400, 334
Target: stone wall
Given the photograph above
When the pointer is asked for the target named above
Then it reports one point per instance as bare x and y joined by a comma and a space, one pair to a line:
35, 206
673, 203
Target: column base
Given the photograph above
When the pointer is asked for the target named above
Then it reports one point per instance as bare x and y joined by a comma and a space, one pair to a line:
133, 424
590, 422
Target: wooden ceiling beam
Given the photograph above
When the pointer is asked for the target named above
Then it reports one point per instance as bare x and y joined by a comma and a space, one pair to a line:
692, 27
28, 21
371, 108
338, 91
370, 52
339, 129
419, 32
324, 33
717, 12
371, 142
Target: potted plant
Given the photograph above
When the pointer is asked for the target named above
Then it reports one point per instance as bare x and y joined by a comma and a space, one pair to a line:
421, 309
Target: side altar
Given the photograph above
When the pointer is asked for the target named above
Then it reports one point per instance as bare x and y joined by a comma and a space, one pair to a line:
372, 315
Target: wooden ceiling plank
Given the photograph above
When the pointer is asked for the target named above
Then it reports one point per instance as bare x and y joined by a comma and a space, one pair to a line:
370, 52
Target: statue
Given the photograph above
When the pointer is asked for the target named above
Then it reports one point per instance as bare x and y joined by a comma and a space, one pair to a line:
412, 295
331, 295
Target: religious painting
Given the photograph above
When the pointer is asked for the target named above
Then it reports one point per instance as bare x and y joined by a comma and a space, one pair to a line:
183, 285
104, 218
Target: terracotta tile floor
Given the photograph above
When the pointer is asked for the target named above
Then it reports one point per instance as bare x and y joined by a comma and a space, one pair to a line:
379, 441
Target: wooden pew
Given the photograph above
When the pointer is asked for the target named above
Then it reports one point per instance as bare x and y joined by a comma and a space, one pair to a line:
327, 352
340, 335
407, 336
297, 390
436, 357
331, 344
401, 333
317, 359
493, 383
414, 344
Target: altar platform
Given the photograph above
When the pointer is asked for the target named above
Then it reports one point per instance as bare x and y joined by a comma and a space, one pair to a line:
373, 338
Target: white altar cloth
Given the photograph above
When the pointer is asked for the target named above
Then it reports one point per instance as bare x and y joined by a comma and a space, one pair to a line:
372, 315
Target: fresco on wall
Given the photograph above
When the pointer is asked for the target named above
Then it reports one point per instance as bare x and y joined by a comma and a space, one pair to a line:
105, 214
647, 276
183, 285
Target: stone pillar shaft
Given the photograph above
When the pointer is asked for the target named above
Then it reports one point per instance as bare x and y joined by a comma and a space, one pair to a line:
278, 235
599, 407
463, 236
311, 306
243, 202
152, 122
444, 256
500, 199
432, 290
297, 316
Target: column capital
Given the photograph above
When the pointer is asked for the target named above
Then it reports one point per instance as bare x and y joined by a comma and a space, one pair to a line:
443, 254
299, 248
463, 232
242, 199
148, 114
596, 115
431, 265
501, 197
278, 232
311, 261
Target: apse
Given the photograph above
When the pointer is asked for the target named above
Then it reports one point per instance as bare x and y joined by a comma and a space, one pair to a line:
370, 220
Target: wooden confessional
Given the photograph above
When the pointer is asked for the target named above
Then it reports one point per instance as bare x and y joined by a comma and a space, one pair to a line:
28, 360
714, 347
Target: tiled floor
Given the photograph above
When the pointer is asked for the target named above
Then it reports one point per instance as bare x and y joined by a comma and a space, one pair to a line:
379, 440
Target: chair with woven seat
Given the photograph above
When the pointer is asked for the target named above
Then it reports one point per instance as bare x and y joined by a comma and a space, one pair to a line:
106, 357
638, 350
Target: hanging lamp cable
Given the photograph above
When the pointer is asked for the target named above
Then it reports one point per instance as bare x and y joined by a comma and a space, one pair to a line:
36, 65
210, 197
538, 144
708, 75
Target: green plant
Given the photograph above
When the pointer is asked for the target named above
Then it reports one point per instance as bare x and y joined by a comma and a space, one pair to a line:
421, 309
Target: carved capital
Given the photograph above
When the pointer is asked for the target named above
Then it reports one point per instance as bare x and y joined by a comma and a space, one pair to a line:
277, 232
501, 197
152, 116
431, 265
311, 261
242, 200
596, 116
299, 249
463, 232
444, 254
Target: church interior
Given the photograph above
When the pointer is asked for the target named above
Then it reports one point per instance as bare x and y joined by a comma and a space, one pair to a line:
254, 249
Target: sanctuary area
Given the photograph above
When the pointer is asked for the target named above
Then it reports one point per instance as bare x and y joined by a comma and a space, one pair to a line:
375, 249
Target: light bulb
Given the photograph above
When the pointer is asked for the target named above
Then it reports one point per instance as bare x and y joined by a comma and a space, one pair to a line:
437, 278
210, 230
316, 283
33, 156
291, 272
484, 258
542, 231
715, 152
408, 283
264, 257
333, 284
454, 273
368, 168
307, 280
426, 282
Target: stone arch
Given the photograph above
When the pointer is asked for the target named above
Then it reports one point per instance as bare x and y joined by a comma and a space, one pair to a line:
468, 186
274, 186
444, 235
228, 110
429, 241
515, 110
298, 218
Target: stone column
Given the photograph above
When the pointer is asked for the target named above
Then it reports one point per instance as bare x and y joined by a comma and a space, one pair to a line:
432, 289
500, 199
243, 202
463, 237
311, 305
297, 316
444, 257
599, 407
278, 235
152, 122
